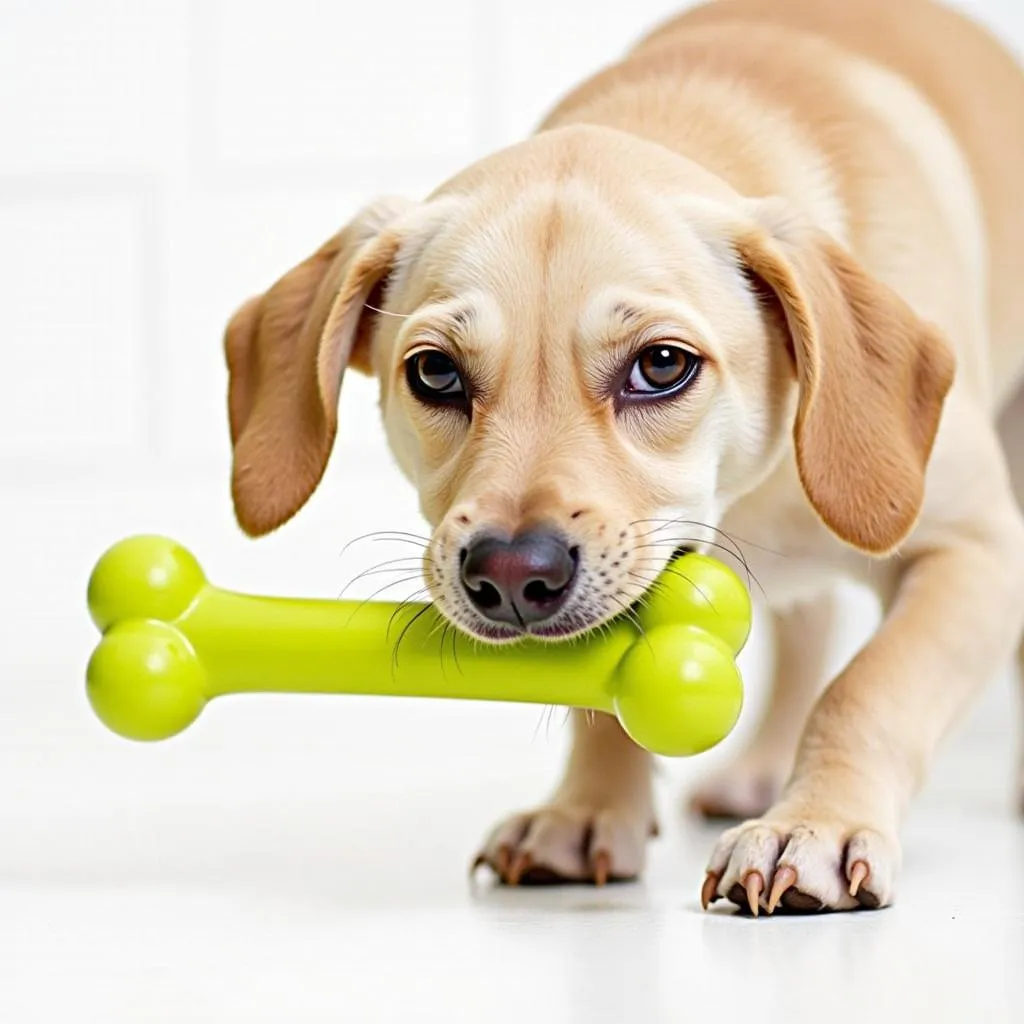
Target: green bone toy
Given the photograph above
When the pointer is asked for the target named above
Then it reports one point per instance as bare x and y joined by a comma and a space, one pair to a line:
171, 642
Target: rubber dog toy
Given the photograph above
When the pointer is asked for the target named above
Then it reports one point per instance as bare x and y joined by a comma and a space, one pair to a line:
172, 642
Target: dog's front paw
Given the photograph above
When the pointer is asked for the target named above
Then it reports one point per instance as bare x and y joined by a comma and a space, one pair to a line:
802, 863
569, 842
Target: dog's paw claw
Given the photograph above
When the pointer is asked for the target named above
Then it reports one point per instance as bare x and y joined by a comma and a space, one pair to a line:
858, 874
519, 867
753, 886
503, 860
709, 890
785, 879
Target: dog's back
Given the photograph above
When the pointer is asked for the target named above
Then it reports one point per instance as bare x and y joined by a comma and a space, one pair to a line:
954, 66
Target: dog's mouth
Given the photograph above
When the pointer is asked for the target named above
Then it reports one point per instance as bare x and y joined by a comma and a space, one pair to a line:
577, 619
572, 624
498, 634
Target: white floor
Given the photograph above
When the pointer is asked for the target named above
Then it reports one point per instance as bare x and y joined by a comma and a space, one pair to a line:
304, 860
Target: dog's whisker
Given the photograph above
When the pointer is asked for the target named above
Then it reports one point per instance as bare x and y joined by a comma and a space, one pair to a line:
381, 568
384, 535
544, 718
738, 554
386, 312
402, 605
671, 543
735, 538
424, 544
632, 616
387, 586
440, 653
732, 547
405, 629
455, 651
683, 576
441, 626
395, 535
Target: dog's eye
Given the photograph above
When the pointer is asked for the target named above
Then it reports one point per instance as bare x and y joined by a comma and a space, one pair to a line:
434, 376
662, 368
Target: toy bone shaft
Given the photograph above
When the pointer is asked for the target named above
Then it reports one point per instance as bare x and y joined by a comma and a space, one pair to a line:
171, 642
264, 644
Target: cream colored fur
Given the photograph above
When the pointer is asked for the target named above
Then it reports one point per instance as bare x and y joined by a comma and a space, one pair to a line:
821, 200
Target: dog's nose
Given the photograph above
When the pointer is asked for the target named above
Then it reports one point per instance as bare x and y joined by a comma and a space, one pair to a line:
519, 581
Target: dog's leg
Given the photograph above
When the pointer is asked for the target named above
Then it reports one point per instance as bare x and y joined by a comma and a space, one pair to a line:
596, 825
751, 783
955, 617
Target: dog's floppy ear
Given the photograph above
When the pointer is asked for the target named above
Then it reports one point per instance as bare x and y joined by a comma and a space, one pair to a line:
872, 380
286, 352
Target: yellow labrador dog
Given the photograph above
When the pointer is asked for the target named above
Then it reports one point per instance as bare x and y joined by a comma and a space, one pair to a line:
760, 277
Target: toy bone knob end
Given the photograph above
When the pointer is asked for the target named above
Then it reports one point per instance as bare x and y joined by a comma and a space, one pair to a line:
144, 680
144, 577
678, 691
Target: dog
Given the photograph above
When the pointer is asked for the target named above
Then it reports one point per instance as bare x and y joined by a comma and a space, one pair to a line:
756, 280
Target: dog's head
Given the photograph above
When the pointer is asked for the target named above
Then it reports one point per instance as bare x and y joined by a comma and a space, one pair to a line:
587, 349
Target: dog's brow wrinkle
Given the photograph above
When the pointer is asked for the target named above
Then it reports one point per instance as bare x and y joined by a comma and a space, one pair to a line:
625, 312
458, 323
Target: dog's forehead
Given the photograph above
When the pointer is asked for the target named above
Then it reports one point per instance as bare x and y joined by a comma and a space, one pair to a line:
559, 230
562, 252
